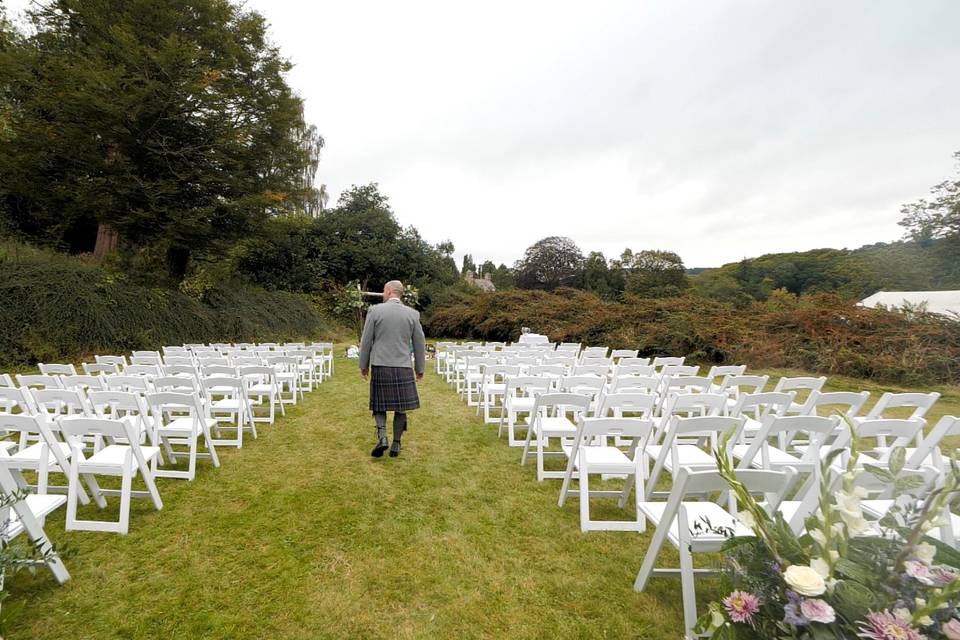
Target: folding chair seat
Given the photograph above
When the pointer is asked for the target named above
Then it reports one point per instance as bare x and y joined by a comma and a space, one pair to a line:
799, 385
27, 516
520, 396
674, 522
180, 422
549, 419
57, 369
125, 460
689, 443
263, 391
590, 453
100, 368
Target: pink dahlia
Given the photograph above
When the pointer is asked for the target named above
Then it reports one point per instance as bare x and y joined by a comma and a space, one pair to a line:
919, 572
818, 611
883, 625
741, 606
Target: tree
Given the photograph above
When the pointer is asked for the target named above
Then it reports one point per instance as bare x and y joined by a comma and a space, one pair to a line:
468, 265
656, 274
599, 278
549, 263
169, 125
938, 217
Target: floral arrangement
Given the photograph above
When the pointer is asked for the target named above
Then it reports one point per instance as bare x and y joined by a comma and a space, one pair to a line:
844, 577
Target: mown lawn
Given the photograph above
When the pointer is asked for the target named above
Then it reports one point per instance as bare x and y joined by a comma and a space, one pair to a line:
302, 535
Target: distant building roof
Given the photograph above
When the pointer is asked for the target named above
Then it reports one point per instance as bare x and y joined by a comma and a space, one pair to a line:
944, 302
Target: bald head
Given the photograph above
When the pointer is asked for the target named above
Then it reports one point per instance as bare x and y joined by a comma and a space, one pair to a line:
393, 289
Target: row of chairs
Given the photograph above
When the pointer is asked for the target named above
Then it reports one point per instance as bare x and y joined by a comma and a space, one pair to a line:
658, 440
136, 419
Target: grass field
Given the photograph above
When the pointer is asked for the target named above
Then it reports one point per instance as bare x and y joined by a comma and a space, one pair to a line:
302, 535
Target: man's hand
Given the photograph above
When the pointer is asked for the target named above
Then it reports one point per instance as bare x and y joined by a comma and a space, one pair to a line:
364, 373
419, 377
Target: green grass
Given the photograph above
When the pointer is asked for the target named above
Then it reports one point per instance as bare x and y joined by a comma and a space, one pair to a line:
302, 535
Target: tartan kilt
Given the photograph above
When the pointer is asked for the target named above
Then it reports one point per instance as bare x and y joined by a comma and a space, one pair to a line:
393, 389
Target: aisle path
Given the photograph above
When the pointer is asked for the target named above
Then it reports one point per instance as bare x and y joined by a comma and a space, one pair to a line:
302, 535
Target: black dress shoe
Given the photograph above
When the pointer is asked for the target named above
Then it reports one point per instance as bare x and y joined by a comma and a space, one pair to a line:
380, 448
395, 449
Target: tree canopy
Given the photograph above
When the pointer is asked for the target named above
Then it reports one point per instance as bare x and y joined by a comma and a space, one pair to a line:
170, 122
549, 263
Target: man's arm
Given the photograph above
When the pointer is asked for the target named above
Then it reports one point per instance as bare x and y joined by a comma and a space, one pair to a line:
419, 348
366, 344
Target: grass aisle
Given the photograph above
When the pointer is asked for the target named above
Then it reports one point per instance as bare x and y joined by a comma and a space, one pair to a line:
302, 535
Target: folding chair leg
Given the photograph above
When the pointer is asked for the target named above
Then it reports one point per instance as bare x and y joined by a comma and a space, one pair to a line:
125, 482
584, 496
687, 588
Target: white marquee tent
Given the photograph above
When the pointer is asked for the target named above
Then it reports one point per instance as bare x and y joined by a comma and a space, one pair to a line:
945, 302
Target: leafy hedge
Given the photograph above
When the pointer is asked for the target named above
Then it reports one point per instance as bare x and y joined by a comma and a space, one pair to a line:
822, 333
65, 310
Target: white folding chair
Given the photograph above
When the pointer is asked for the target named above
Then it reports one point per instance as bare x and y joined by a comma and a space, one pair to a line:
263, 390
549, 420
57, 369
520, 396
227, 402
800, 385
181, 422
125, 460
590, 453
26, 516
675, 519
897, 403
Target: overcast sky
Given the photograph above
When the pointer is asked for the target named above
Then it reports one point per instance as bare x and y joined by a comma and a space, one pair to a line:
715, 129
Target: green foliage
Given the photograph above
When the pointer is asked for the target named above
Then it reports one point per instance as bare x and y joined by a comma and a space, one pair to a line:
655, 274
821, 332
854, 274
66, 310
548, 264
936, 218
171, 122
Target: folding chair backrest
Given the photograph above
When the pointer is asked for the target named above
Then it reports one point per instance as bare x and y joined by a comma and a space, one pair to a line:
39, 381
634, 369
619, 354
218, 370
617, 404
590, 385
760, 405
27, 425
84, 382
819, 430
118, 403
6, 381
135, 384
685, 384
181, 370
549, 370
736, 385
903, 431
61, 402
120, 361
679, 370
146, 354
57, 369
591, 369
260, 372
694, 404
221, 385
171, 403
527, 385
798, 383
176, 383
756, 481
576, 403
14, 400
100, 368
919, 402
595, 352
720, 372
75, 429
149, 370
664, 361
180, 361
154, 360
247, 361
635, 383
820, 403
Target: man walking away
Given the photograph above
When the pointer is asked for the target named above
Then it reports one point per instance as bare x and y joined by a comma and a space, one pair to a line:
390, 330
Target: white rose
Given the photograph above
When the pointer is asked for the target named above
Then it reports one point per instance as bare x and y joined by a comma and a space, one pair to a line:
925, 552
804, 580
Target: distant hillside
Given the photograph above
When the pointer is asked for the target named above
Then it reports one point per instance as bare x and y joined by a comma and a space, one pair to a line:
851, 273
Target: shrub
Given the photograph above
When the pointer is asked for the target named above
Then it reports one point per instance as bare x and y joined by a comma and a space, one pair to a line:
823, 333
66, 310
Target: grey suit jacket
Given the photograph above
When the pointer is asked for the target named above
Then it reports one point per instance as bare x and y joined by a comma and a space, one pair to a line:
389, 331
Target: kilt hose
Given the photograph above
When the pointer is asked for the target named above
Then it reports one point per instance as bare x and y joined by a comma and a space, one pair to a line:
393, 389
